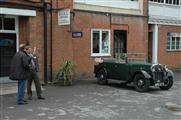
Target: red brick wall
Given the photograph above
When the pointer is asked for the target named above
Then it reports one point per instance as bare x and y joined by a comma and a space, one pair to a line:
36, 38
61, 44
64, 47
31, 31
79, 49
172, 59
62, 4
82, 46
136, 43
23, 25
145, 7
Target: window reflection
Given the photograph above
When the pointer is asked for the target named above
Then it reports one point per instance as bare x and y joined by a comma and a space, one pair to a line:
96, 42
105, 42
9, 23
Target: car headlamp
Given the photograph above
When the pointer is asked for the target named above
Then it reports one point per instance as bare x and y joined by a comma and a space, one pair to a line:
153, 67
166, 68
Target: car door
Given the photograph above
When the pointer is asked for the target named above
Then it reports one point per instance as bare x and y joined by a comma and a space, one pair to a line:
110, 67
122, 71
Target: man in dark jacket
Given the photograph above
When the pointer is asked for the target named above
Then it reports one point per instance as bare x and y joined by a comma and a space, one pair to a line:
20, 71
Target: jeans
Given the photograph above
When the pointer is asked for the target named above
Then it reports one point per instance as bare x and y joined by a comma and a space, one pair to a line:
21, 90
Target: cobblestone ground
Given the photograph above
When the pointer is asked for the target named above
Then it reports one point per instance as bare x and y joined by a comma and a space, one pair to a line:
86, 100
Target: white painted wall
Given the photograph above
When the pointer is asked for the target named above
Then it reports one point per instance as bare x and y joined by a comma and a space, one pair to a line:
126, 4
20, 12
165, 11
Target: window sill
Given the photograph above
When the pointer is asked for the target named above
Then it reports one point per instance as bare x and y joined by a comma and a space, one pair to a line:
173, 50
100, 55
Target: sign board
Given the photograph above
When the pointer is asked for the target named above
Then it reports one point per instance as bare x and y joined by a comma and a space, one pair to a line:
64, 17
77, 34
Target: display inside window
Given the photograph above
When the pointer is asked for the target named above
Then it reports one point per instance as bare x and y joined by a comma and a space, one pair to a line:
100, 42
105, 42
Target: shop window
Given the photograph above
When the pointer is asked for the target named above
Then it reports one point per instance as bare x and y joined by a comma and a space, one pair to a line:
9, 23
174, 41
1, 23
100, 42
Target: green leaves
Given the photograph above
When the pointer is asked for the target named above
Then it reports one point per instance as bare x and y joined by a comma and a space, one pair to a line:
66, 72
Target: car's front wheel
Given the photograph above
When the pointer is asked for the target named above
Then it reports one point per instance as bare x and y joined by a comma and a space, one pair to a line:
167, 84
141, 84
102, 77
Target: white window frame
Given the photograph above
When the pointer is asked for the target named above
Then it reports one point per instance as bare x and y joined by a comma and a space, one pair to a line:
100, 42
170, 38
16, 31
164, 2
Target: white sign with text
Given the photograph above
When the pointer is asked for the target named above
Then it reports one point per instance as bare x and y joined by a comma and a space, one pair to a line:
64, 17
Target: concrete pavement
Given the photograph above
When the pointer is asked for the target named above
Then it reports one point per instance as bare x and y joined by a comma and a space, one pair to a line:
86, 100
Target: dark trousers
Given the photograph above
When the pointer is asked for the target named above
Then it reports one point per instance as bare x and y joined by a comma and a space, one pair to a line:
34, 77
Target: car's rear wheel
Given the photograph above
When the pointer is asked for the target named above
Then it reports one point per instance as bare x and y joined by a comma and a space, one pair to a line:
141, 84
102, 77
167, 84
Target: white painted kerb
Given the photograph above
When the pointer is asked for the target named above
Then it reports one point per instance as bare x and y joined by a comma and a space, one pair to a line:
18, 12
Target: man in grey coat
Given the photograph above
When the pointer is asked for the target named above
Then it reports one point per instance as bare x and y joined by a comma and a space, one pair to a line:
20, 71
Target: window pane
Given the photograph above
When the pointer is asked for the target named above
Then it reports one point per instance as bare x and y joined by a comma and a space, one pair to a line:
170, 1
173, 43
105, 41
176, 2
177, 43
168, 41
160, 1
9, 23
1, 23
96, 38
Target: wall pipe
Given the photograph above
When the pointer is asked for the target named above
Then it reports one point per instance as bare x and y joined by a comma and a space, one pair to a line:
45, 41
51, 38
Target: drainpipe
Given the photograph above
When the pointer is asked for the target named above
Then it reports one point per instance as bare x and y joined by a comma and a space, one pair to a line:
155, 44
45, 41
51, 38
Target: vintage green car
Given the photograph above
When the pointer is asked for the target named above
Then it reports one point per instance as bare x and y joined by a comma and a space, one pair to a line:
141, 74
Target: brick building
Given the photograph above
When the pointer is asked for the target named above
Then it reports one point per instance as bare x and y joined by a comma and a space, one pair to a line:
165, 32
21, 21
78, 30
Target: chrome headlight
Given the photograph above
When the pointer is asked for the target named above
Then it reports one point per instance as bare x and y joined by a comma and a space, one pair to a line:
153, 67
157, 67
166, 68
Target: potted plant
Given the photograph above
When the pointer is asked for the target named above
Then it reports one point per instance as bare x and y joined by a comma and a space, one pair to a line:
66, 72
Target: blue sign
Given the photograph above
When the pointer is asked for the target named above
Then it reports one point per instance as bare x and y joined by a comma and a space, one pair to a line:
77, 34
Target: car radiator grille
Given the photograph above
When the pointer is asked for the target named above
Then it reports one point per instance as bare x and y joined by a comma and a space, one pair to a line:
158, 76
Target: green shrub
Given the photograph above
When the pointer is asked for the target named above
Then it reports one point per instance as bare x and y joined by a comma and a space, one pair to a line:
66, 72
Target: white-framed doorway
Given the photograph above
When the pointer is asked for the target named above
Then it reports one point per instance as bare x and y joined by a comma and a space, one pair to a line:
9, 42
